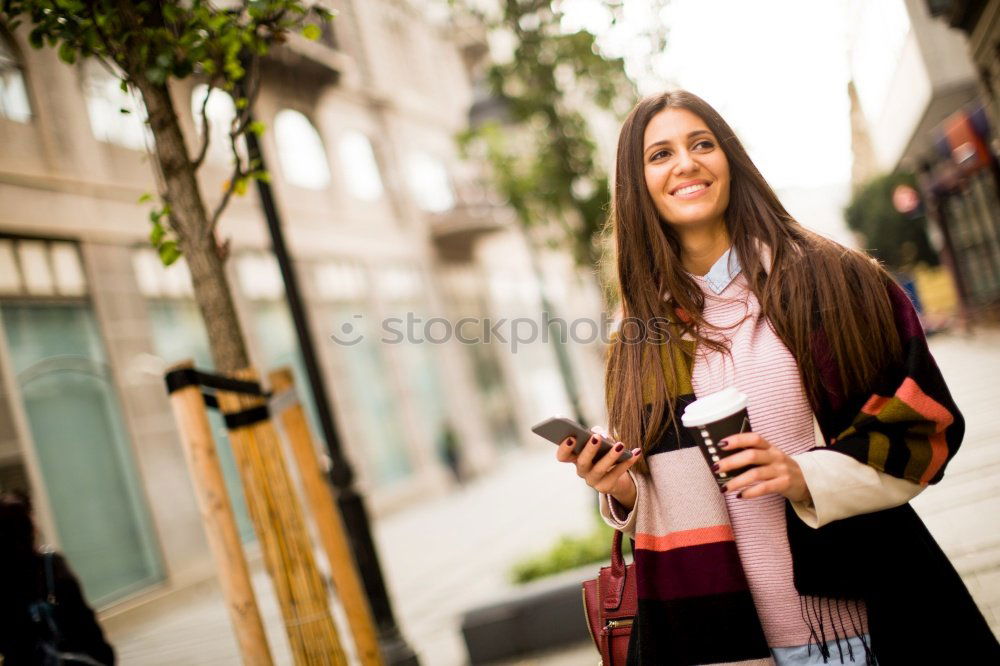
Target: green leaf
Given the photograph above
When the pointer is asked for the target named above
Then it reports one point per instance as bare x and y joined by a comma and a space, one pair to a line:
256, 127
169, 252
241, 187
156, 234
312, 32
146, 196
123, 110
242, 102
67, 53
123, 86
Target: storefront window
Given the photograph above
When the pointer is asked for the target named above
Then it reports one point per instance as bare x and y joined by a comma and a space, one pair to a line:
367, 384
81, 446
300, 151
357, 160
116, 116
14, 103
429, 183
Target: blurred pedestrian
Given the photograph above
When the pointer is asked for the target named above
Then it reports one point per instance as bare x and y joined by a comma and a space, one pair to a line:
44, 619
813, 555
450, 453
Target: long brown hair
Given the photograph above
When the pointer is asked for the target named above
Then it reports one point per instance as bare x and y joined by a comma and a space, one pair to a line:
812, 284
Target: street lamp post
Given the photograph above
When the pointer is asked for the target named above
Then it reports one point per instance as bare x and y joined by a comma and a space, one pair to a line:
395, 650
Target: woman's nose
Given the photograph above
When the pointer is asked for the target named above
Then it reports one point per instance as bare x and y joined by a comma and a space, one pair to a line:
685, 163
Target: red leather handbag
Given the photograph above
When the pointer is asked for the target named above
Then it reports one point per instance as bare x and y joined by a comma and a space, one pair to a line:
610, 604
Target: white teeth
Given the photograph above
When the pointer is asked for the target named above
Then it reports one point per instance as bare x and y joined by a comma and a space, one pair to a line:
691, 188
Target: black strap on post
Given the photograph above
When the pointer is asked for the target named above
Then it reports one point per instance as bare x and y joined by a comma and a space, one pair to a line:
247, 417
184, 377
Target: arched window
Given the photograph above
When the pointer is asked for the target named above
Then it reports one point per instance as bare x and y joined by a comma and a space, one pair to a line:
300, 151
220, 111
429, 183
359, 166
14, 103
116, 116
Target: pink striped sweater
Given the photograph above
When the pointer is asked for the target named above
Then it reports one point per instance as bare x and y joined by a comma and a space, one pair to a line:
763, 368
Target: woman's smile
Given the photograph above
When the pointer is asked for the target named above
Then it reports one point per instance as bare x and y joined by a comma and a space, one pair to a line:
691, 190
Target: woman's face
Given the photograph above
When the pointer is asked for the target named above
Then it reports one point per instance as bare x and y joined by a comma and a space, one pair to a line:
687, 173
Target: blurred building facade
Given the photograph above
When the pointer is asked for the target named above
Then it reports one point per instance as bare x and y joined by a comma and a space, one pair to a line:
384, 221
918, 104
980, 21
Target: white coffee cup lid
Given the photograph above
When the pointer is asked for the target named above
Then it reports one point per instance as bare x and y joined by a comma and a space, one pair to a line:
713, 407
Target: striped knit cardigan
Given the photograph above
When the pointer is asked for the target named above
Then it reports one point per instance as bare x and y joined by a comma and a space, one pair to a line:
694, 605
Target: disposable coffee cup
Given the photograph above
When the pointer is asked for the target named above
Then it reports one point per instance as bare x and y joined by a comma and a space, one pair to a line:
713, 418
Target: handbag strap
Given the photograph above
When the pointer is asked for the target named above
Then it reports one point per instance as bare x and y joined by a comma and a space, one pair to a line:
616, 575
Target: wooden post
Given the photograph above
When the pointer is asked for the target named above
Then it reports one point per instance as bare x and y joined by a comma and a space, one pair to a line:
220, 523
280, 526
328, 523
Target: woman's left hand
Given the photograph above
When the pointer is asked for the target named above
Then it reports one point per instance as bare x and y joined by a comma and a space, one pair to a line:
775, 471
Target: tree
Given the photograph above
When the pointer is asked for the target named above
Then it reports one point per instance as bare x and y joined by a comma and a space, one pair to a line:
148, 44
896, 239
543, 156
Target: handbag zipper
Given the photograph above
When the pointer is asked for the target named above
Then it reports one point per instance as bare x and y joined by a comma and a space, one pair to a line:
614, 624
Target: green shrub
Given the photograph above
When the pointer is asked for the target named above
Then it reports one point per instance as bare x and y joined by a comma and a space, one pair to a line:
569, 552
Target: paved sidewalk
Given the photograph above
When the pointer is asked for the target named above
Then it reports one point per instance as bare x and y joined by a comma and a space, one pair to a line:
440, 558
447, 555
963, 511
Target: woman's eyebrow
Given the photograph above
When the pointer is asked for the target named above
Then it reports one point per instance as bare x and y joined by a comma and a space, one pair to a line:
664, 142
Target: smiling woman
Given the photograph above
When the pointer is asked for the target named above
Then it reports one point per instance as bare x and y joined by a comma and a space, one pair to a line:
812, 551
687, 176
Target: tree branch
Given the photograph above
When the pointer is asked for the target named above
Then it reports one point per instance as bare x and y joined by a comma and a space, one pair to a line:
239, 173
250, 90
206, 132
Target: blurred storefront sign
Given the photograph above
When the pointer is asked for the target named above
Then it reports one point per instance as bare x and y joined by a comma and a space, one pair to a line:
964, 180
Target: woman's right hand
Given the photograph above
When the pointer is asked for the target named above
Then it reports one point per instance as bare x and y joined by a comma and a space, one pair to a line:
603, 475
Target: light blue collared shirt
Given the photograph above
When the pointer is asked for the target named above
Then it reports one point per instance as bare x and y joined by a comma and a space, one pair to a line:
723, 271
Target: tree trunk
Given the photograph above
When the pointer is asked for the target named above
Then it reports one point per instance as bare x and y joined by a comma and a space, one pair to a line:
190, 222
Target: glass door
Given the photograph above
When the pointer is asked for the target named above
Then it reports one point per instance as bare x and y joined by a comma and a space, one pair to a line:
82, 446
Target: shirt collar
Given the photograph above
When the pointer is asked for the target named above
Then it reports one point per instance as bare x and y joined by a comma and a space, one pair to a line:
723, 271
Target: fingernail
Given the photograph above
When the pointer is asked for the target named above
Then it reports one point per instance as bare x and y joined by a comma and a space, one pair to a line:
723, 489
636, 452
619, 446
593, 440
724, 443
715, 467
571, 441
739, 495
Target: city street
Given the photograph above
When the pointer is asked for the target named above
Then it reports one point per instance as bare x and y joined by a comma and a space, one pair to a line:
452, 553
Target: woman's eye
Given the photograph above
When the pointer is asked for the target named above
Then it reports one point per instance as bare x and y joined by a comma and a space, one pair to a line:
658, 154
708, 145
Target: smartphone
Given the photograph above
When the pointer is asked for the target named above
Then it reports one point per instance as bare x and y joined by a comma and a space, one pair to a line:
558, 428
